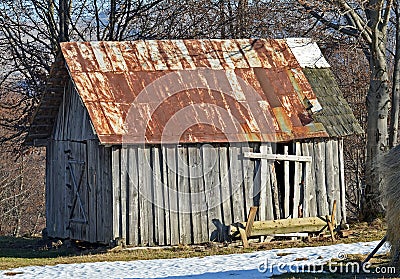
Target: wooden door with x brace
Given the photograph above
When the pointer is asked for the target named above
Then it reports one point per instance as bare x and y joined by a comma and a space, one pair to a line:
78, 190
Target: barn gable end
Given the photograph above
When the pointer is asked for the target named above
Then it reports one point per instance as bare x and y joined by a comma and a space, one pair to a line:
156, 185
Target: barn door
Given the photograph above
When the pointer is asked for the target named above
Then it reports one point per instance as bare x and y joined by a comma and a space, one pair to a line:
77, 190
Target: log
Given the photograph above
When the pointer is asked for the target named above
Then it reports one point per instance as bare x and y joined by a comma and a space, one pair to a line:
283, 226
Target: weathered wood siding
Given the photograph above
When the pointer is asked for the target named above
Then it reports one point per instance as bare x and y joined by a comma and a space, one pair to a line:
78, 177
175, 191
326, 183
170, 194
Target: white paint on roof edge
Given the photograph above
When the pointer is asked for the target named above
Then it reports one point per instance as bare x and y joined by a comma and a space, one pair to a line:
307, 53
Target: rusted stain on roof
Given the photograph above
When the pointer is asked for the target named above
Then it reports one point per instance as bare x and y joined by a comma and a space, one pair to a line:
192, 90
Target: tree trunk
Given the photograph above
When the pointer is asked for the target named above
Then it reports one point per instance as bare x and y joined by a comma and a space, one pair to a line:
222, 18
63, 12
242, 18
377, 134
113, 11
51, 25
394, 112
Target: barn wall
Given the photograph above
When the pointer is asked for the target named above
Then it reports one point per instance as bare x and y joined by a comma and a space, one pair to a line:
176, 193
162, 195
78, 177
171, 194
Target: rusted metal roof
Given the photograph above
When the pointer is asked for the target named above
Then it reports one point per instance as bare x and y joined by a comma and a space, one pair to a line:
193, 90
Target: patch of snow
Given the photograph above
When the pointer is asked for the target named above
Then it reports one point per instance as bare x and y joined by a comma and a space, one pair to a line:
261, 264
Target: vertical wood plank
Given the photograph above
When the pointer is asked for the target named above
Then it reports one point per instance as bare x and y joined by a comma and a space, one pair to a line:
342, 183
199, 207
298, 171
336, 178
124, 185
257, 190
286, 170
133, 196
184, 195
235, 173
100, 165
204, 206
329, 173
92, 159
212, 184
248, 172
145, 196
172, 193
307, 173
107, 189
85, 190
319, 165
312, 199
274, 186
150, 197
225, 185
166, 193
306, 189
116, 191
61, 194
159, 224
266, 200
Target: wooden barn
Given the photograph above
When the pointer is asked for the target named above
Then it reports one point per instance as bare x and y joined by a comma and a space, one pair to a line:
155, 141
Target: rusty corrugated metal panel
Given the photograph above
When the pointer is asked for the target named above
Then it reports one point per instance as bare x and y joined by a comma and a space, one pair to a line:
192, 90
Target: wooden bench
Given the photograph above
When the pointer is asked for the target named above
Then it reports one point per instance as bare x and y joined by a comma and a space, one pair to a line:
283, 226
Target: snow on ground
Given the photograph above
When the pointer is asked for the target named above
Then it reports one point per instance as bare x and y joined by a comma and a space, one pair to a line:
261, 264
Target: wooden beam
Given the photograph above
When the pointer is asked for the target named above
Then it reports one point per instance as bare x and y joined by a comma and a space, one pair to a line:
284, 226
278, 157
243, 236
250, 220
330, 226
40, 142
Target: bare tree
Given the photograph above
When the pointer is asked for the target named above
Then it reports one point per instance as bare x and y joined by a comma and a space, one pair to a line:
369, 23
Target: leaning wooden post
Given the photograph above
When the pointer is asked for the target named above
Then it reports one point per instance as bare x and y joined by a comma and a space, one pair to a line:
246, 232
243, 236
250, 220
333, 214
330, 226
331, 221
